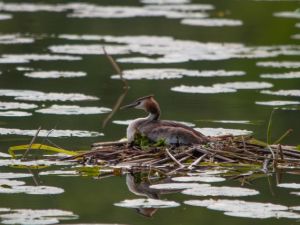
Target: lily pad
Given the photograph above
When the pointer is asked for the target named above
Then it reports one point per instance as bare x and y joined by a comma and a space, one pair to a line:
31, 190
59, 173
174, 73
147, 203
15, 114
11, 175
212, 22
9, 39
245, 85
278, 103
26, 58
32, 163
208, 131
54, 74
5, 16
202, 89
246, 209
29, 95
16, 105
289, 185
47, 133
73, 110
178, 186
280, 64
207, 179
295, 93
7, 182
36, 217
220, 191
4, 155
289, 75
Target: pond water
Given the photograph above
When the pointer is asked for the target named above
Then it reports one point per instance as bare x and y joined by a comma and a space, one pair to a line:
210, 64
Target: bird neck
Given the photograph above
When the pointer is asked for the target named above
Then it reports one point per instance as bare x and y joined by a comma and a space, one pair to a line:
153, 109
153, 116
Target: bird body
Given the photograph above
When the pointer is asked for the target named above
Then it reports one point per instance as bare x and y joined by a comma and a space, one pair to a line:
155, 129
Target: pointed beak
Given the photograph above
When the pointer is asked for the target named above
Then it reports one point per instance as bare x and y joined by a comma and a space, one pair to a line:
129, 105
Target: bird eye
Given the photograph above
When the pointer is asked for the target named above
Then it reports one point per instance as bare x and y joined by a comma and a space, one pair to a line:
138, 102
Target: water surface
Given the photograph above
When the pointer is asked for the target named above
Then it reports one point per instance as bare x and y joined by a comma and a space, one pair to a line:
210, 64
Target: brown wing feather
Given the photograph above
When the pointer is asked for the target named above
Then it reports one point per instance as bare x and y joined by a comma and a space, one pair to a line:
173, 131
176, 124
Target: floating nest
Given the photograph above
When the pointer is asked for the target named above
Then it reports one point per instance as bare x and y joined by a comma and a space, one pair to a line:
173, 159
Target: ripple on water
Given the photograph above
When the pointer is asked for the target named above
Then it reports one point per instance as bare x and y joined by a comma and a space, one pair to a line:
289, 75
240, 208
52, 133
173, 73
73, 110
147, 203
279, 64
16, 105
36, 217
29, 95
295, 93
54, 74
26, 58
278, 103
212, 22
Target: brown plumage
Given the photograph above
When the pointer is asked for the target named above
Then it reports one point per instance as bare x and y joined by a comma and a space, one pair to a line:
156, 129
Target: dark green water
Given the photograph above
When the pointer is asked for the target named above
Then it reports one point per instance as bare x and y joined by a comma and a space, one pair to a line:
253, 34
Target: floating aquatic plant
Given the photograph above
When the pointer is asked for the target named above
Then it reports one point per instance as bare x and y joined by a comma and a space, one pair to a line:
39, 147
73, 110
241, 208
36, 217
147, 203
207, 179
220, 191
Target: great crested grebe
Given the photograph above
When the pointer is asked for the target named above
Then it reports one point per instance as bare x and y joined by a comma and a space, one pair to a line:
155, 129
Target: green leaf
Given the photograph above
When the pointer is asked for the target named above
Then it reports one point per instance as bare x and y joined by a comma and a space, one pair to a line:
40, 147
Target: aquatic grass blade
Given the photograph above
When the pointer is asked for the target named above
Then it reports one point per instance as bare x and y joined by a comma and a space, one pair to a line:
41, 147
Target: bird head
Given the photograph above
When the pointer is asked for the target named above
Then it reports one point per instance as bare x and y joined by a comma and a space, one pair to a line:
146, 103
